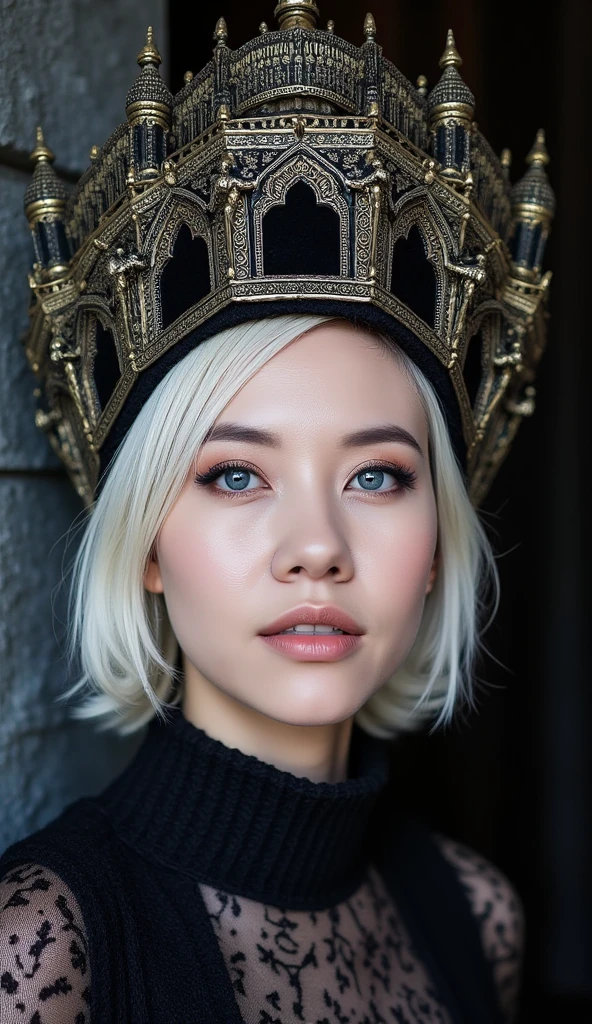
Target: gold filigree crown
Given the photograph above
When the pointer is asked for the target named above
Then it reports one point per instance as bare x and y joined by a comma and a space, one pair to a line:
297, 173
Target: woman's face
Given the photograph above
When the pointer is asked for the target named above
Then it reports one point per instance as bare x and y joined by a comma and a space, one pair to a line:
314, 519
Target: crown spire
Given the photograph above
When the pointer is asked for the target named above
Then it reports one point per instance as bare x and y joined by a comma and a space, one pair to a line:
221, 32
451, 107
506, 162
538, 155
296, 14
149, 53
451, 58
45, 205
149, 106
41, 151
533, 196
45, 187
369, 28
533, 207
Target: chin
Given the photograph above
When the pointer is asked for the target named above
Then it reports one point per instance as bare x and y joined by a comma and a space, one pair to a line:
320, 709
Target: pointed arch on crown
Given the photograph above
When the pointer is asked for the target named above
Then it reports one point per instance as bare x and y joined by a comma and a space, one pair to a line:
330, 212
182, 221
415, 218
100, 352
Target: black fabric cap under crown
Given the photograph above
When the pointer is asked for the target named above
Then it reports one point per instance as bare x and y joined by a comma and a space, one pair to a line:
366, 316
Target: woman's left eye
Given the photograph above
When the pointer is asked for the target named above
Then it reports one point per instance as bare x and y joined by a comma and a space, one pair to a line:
374, 477
371, 478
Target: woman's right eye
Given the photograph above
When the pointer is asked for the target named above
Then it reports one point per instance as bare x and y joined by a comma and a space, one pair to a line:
233, 475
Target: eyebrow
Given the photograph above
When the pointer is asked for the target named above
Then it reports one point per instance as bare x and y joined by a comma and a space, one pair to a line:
355, 439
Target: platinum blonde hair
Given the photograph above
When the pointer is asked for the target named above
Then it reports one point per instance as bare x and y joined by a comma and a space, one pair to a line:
121, 633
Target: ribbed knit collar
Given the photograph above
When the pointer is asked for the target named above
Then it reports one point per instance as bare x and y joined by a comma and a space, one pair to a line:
242, 825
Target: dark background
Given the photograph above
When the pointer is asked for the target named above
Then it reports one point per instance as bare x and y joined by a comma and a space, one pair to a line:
514, 779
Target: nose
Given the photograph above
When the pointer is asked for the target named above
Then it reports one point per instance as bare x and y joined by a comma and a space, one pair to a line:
311, 542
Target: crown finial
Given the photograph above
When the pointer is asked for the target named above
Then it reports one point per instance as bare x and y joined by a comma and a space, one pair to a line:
422, 85
330, 25
263, 28
41, 151
221, 32
149, 53
94, 152
533, 190
451, 57
369, 28
296, 14
538, 155
188, 77
506, 162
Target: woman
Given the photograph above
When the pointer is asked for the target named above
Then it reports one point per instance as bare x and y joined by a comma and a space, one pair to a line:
265, 478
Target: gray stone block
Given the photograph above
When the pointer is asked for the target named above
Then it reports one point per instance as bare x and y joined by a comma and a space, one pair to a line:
35, 513
68, 66
46, 758
47, 765
22, 444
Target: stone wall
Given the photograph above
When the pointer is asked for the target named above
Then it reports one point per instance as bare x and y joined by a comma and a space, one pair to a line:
66, 66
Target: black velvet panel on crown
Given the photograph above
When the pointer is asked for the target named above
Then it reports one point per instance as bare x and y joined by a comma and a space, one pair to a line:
52, 244
527, 245
186, 277
412, 277
106, 370
302, 236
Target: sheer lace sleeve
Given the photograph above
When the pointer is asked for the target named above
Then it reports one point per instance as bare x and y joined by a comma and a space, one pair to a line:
500, 915
44, 969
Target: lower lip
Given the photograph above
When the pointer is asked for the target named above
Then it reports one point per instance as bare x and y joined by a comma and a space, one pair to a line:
314, 648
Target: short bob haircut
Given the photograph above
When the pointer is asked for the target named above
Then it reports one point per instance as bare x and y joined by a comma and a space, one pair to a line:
121, 633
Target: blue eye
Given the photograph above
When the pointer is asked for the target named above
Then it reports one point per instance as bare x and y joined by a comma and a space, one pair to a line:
373, 477
234, 474
236, 478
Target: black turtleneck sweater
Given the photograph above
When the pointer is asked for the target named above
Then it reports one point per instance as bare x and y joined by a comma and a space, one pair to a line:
204, 886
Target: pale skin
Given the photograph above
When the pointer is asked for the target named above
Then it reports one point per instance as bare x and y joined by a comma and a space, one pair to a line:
303, 529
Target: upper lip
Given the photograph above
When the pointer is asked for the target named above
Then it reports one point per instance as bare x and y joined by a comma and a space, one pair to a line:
322, 615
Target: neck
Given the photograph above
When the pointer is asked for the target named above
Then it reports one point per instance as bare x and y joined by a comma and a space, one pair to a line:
315, 752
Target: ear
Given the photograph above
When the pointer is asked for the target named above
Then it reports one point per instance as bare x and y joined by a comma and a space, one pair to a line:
433, 574
152, 579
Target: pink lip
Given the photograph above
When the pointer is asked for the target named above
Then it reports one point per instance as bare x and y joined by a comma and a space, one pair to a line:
314, 615
320, 647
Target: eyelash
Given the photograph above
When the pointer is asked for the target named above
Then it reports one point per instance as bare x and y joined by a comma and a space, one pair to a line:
405, 477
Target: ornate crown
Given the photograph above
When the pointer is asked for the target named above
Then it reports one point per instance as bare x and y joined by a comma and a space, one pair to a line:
297, 173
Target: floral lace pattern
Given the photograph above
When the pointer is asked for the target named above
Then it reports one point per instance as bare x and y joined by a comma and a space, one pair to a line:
350, 964
500, 914
44, 969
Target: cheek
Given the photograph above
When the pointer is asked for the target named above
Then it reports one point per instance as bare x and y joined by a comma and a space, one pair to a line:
202, 568
402, 558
